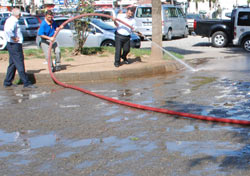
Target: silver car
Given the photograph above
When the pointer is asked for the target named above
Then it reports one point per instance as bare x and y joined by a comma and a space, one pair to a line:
28, 25
174, 22
100, 34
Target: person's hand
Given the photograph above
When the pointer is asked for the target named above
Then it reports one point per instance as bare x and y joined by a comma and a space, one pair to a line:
52, 39
15, 39
60, 27
138, 33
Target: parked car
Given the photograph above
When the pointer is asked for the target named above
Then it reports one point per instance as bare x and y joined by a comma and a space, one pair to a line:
5, 14
28, 25
190, 20
100, 34
235, 30
174, 22
40, 18
241, 25
110, 12
3, 40
221, 31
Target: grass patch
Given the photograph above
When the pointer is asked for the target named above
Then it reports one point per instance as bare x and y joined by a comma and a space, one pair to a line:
101, 51
3, 52
91, 51
167, 57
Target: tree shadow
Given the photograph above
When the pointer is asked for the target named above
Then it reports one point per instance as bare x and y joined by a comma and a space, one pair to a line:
179, 50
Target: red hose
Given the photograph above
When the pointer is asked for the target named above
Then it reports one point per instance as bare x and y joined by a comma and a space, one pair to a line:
166, 111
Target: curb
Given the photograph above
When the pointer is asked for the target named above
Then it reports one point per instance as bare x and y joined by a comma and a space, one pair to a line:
145, 70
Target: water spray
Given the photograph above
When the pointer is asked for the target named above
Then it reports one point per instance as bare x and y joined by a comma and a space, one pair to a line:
171, 55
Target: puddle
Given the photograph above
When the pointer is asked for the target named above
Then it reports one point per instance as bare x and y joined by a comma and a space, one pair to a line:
7, 138
18, 96
85, 164
42, 141
212, 148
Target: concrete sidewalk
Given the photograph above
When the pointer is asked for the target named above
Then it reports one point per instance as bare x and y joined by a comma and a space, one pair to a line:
93, 68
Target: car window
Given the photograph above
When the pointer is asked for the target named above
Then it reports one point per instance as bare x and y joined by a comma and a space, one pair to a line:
173, 12
3, 21
6, 14
67, 26
102, 25
21, 21
32, 20
110, 13
193, 16
180, 12
244, 19
143, 12
93, 28
166, 12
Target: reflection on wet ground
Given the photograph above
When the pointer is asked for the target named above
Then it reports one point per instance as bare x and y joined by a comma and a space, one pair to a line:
55, 131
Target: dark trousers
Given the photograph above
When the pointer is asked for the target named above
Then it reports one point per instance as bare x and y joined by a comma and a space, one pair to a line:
16, 62
121, 43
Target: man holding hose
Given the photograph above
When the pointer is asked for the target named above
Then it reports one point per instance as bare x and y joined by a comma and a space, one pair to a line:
46, 31
122, 37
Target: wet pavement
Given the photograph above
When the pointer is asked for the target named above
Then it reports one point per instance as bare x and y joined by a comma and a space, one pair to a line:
57, 131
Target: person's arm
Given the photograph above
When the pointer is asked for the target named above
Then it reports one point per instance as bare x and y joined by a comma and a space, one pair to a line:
9, 29
42, 34
47, 37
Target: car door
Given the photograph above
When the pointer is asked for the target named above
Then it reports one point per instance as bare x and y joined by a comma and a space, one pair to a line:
67, 36
243, 23
173, 18
182, 22
94, 36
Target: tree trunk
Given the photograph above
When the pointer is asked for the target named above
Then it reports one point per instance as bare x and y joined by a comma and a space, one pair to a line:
156, 52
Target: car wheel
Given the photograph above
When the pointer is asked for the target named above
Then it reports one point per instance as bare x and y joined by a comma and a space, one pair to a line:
169, 35
246, 44
108, 43
219, 39
186, 32
3, 43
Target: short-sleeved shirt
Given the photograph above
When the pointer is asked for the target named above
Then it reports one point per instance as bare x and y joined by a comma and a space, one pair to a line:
12, 29
46, 29
124, 29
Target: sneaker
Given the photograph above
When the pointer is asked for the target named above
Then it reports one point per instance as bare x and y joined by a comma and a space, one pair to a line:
126, 61
116, 64
58, 68
10, 86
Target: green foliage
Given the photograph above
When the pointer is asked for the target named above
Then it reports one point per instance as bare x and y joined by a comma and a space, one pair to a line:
81, 26
91, 51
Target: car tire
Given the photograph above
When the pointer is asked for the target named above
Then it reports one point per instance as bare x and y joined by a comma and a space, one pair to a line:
246, 44
169, 35
186, 32
3, 43
108, 43
219, 39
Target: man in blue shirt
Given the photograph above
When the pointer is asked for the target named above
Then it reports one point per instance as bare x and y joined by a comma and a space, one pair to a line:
46, 32
14, 45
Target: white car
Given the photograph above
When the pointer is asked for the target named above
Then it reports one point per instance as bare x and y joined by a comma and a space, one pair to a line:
241, 27
100, 34
3, 41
